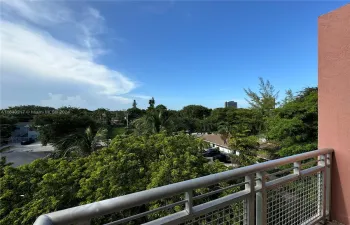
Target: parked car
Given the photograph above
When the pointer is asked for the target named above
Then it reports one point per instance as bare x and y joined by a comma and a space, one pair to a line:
211, 152
27, 142
222, 158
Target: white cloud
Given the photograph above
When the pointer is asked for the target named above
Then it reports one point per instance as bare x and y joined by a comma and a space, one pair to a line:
91, 25
40, 12
95, 13
120, 99
59, 100
145, 97
31, 53
44, 57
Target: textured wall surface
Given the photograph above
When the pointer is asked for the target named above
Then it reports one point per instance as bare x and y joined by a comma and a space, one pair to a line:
334, 103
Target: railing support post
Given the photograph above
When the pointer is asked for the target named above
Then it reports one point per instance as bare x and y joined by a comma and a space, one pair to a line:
322, 161
261, 199
297, 168
189, 203
250, 213
328, 185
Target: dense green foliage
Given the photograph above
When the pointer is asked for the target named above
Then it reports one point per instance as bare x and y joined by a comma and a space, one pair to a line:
195, 111
154, 121
129, 164
294, 125
247, 147
53, 127
7, 126
153, 150
24, 113
80, 143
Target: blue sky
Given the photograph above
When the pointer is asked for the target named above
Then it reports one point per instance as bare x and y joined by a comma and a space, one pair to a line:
105, 54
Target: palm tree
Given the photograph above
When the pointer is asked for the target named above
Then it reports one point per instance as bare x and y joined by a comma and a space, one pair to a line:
224, 131
81, 143
153, 122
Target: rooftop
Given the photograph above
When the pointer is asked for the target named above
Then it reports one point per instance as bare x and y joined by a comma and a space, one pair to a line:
214, 138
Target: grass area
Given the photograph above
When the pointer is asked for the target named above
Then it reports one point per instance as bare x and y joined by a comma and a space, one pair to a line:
114, 131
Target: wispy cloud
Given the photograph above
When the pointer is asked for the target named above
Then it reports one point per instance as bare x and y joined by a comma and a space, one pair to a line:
121, 99
30, 52
23, 49
145, 97
91, 25
42, 13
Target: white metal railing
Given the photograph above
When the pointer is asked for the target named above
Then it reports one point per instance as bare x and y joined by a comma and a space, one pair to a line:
297, 193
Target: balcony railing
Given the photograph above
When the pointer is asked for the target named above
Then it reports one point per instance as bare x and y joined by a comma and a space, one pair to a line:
290, 190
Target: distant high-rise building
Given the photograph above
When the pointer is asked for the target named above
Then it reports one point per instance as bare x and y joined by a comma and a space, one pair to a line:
231, 104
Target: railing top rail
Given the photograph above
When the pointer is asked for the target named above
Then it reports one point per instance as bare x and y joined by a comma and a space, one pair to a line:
88, 211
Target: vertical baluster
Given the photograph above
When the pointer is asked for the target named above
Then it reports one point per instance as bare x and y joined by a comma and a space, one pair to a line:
261, 199
250, 207
189, 203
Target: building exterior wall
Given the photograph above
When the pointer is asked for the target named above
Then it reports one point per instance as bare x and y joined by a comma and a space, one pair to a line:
222, 149
231, 104
334, 103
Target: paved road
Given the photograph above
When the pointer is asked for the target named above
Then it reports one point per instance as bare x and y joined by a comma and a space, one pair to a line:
24, 154
22, 158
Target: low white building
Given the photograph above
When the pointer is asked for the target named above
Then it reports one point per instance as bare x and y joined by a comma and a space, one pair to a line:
216, 141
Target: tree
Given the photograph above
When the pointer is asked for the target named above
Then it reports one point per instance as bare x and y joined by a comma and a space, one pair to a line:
73, 111
206, 125
130, 164
151, 103
247, 146
161, 107
224, 132
3, 164
195, 111
262, 102
53, 127
289, 97
134, 104
7, 126
239, 120
102, 117
134, 113
153, 122
294, 125
25, 113
80, 143
266, 99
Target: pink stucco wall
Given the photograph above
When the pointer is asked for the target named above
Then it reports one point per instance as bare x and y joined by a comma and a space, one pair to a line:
334, 103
